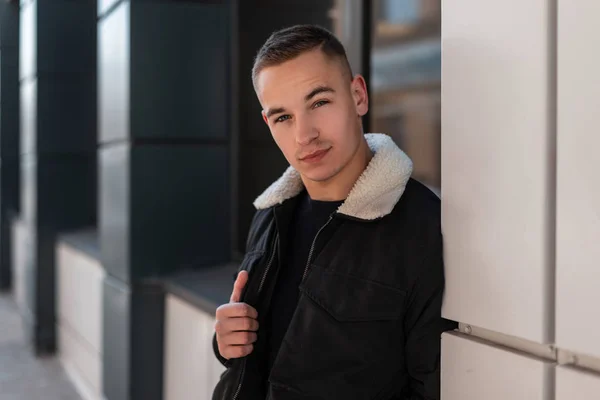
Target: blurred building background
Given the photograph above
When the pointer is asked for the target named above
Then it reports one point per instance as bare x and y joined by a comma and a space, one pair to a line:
132, 146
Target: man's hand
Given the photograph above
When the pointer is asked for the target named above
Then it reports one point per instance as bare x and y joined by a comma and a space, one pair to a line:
236, 324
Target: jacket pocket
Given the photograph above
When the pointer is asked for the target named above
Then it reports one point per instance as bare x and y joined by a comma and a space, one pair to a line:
345, 340
348, 298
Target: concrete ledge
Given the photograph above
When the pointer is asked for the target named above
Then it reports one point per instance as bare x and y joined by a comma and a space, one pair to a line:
205, 288
86, 241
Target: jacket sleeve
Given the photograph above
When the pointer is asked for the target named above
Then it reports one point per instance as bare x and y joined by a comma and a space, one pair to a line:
424, 325
226, 363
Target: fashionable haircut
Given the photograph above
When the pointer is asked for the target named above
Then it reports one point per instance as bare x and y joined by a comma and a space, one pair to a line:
289, 43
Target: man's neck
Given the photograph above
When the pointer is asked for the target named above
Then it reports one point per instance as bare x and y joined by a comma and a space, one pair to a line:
338, 187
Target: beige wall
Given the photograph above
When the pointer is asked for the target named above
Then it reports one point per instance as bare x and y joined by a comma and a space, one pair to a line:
520, 199
21, 264
191, 369
578, 183
79, 319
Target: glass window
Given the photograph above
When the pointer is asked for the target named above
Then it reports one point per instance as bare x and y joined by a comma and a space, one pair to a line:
405, 85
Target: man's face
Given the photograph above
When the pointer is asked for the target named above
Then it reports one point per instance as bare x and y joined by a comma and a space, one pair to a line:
313, 109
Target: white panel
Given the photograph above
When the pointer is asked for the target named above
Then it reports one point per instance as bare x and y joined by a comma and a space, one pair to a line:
496, 165
28, 42
572, 384
21, 258
104, 5
213, 366
79, 281
113, 74
79, 290
191, 369
28, 120
84, 366
474, 371
578, 200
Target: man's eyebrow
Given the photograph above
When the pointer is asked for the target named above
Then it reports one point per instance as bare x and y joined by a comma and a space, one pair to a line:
313, 93
274, 111
318, 90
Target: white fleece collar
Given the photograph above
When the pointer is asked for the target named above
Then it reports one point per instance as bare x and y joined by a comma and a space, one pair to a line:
374, 194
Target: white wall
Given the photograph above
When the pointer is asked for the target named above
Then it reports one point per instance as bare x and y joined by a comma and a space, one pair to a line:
79, 319
191, 369
521, 198
578, 200
21, 263
496, 164
475, 370
576, 385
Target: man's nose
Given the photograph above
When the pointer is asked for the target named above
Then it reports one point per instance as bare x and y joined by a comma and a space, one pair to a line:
306, 132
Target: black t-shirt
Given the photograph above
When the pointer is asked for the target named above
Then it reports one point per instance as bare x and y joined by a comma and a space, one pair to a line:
309, 216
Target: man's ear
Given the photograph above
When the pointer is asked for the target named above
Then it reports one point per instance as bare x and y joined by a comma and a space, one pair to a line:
264, 117
360, 94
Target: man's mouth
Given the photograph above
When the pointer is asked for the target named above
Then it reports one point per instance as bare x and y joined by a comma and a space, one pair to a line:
315, 156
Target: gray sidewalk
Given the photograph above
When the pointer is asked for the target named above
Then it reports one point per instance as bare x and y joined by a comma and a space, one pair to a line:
22, 376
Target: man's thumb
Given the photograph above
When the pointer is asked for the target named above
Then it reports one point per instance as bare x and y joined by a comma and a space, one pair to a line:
238, 286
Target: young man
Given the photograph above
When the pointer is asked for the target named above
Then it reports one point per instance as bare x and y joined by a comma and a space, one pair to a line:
340, 292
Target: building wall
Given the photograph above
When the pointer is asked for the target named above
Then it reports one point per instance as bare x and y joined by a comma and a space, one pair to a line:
79, 280
578, 186
56, 147
164, 142
191, 368
9, 134
520, 204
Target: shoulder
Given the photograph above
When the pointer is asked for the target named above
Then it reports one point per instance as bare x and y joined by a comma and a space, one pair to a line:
420, 195
417, 223
260, 227
419, 203
416, 218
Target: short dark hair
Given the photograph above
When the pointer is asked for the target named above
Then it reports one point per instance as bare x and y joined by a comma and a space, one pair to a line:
288, 43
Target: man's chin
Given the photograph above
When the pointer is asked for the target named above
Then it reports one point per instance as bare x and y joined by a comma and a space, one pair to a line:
318, 176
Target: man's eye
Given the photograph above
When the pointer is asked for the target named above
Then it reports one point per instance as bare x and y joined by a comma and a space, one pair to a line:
282, 118
320, 103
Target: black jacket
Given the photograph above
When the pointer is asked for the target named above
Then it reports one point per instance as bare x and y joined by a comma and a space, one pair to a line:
368, 320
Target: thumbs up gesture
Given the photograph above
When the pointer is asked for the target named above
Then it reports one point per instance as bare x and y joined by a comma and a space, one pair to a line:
236, 323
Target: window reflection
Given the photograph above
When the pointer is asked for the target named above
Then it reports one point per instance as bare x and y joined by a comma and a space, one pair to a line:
405, 82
